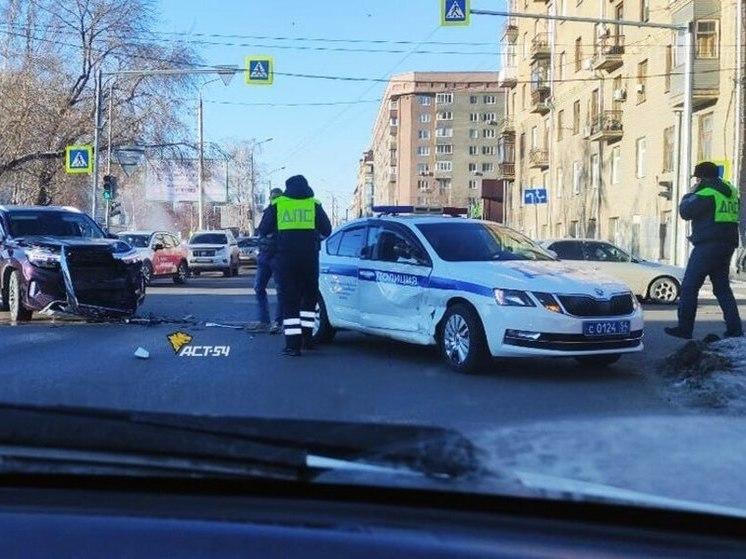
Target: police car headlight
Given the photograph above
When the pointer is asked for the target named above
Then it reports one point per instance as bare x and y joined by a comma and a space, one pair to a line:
635, 302
549, 302
513, 298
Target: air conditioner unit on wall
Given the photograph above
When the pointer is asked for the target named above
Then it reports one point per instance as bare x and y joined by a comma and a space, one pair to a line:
640, 88
586, 131
620, 94
587, 64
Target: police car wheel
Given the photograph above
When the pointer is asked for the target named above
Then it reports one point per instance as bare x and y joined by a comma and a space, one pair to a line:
323, 331
598, 360
462, 342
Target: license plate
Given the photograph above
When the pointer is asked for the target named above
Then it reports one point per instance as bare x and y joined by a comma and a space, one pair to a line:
603, 328
203, 260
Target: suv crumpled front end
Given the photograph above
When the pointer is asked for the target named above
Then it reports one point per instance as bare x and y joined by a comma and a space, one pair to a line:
84, 277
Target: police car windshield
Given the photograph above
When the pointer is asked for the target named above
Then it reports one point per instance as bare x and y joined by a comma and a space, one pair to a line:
27, 223
137, 241
209, 239
463, 241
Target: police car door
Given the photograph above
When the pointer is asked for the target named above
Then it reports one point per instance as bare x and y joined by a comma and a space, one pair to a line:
338, 279
393, 279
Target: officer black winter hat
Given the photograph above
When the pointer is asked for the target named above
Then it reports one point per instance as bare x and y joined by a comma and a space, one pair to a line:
297, 181
706, 170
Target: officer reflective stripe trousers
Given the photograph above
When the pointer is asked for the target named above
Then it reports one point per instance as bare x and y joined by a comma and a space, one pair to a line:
713, 207
299, 222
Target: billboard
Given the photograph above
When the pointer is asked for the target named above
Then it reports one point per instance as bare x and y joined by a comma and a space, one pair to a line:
175, 180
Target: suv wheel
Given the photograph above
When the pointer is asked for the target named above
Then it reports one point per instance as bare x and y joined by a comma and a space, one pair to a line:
18, 313
462, 342
323, 332
182, 273
147, 272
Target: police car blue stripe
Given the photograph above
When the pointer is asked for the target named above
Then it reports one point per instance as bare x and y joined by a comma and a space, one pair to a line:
457, 285
339, 269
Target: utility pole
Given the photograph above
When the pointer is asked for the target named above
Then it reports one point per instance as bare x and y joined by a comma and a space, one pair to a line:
200, 165
96, 129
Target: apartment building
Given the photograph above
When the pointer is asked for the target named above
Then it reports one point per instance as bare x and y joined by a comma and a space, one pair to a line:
435, 139
593, 114
362, 196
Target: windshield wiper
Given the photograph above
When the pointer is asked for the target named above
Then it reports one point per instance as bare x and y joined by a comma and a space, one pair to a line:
80, 439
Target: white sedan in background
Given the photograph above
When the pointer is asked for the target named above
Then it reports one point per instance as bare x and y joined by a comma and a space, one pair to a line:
659, 283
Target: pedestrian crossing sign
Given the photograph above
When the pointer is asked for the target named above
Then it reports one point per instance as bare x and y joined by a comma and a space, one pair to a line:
455, 13
260, 70
79, 159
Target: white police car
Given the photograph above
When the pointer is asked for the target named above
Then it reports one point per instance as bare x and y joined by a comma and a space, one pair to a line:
475, 288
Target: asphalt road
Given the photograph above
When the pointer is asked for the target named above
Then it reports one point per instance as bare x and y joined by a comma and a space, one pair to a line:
356, 378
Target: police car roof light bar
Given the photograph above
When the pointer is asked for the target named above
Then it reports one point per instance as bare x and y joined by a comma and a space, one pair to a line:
420, 210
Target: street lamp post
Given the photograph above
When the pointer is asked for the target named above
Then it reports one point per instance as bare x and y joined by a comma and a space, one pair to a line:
252, 186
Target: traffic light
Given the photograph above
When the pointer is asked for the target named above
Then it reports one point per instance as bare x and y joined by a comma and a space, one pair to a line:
110, 187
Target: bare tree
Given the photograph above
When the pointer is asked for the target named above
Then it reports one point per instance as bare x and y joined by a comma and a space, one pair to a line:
49, 56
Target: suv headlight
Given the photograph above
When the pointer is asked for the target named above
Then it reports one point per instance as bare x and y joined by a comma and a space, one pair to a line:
43, 258
513, 298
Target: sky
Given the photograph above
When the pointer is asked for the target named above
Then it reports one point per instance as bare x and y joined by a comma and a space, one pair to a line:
324, 143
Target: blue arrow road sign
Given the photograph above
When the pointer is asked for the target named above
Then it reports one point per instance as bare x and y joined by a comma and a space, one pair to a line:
533, 196
454, 12
78, 159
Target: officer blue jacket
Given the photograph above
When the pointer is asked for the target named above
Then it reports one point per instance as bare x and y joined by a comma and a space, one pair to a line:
299, 242
701, 211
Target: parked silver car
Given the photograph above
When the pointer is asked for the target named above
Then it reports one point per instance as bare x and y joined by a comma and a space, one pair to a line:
213, 251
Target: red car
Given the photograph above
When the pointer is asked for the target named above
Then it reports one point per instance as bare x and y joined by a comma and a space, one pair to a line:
163, 254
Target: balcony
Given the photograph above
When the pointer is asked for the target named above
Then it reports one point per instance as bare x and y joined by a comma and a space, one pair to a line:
609, 52
540, 98
538, 158
506, 170
511, 31
507, 77
507, 128
540, 46
606, 126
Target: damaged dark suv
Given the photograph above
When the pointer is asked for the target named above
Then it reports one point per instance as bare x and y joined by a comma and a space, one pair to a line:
57, 259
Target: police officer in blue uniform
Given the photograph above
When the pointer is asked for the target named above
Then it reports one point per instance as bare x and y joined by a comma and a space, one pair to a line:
713, 207
299, 223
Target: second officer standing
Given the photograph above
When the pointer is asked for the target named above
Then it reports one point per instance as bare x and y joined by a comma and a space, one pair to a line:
298, 223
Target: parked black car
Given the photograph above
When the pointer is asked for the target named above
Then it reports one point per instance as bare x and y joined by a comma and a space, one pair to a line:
59, 259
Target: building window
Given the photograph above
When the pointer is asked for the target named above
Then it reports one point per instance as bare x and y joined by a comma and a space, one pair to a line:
576, 117
706, 38
595, 171
488, 150
489, 117
444, 184
573, 229
444, 132
561, 66
423, 134
669, 66
423, 150
473, 184
425, 117
444, 166
423, 168
473, 99
644, 10
473, 133
489, 99
444, 115
444, 149
578, 54
616, 159
488, 167
522, 147
558, 186
642, 78
472, 167
473, 117
488, 133
560, 125
668, 149
534, 137
577, 175
641, 147
444, 98
613, 233
473, 150
422, 184
704, 150
425, 100
394, 121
